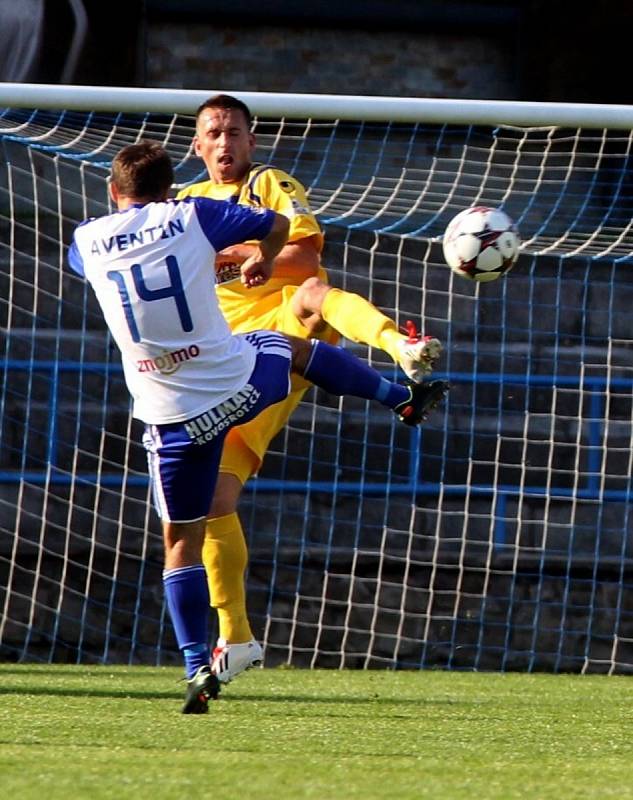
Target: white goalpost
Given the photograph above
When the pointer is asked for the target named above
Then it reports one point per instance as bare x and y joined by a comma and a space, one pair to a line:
497, 537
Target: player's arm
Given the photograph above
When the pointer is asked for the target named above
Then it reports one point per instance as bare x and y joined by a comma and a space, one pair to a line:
303, 254
226, 224
277, 190
258, 267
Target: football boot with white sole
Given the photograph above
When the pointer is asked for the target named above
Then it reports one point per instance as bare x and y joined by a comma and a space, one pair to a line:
417, 354
230, 660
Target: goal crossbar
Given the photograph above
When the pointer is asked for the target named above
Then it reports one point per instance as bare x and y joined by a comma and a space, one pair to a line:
324, 106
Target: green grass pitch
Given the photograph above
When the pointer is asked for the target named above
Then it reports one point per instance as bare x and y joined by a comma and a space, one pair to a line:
76, 732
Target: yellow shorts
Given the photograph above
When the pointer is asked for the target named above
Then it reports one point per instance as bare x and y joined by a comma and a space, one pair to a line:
245, 446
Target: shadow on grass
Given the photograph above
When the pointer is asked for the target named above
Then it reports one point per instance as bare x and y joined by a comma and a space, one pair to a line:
162, 694
79, 671
54, 691
294, 698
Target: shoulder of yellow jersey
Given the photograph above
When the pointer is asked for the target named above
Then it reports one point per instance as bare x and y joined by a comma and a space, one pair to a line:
201, 189
265, 186
269, 187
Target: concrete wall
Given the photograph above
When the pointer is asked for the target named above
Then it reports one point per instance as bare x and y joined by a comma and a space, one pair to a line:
331, 61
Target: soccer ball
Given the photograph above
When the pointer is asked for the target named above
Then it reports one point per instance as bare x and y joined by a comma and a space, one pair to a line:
481, 243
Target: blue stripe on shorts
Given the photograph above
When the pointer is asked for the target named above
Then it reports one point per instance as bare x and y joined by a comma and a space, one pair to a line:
184, 457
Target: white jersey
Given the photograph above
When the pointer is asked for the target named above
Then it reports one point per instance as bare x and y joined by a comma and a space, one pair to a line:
152, 270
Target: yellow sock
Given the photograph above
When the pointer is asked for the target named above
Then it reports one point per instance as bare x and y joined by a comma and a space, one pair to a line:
360, 321
225, 557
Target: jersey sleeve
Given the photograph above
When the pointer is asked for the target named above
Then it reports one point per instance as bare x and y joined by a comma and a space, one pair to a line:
225, 224
75, 261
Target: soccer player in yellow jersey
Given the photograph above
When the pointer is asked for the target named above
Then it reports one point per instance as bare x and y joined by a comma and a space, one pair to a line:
296, 300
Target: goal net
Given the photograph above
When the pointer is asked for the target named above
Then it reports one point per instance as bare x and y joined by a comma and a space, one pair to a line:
499, 536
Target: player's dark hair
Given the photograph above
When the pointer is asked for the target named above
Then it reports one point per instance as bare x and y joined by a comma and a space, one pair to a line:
227, 102
143, 170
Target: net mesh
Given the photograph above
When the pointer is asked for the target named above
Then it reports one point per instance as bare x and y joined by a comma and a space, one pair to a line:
497, 537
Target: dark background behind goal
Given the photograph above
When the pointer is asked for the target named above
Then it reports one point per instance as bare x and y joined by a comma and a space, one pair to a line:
560, 611
521, 50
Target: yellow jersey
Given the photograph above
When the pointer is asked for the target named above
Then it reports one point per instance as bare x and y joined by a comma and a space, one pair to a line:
262, 187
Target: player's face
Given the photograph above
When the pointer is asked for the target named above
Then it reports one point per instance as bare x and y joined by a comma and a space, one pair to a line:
225, 144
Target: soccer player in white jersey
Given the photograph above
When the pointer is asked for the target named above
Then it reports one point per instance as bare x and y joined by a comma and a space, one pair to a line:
191, 380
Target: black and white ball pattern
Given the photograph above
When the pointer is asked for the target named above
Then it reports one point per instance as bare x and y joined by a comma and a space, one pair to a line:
481, 243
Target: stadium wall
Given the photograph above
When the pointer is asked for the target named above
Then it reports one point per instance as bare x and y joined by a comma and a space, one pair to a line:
282, 59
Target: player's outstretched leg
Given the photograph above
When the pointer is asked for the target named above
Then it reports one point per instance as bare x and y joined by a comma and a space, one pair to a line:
358, 320
339, 372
